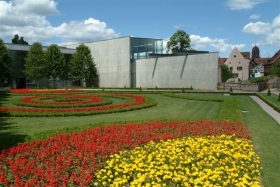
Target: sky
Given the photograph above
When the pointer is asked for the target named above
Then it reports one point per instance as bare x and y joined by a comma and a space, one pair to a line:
213, 25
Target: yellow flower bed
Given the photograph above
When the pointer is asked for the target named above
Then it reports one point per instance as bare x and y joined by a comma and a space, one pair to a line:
194, 161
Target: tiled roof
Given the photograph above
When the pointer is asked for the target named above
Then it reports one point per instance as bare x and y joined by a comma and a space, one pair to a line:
246, 55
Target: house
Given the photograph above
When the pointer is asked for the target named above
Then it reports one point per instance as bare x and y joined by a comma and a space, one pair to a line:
271, 61
256, 65
238, 63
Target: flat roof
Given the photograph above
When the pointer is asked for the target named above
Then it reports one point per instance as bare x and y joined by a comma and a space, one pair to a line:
24, 47
111, 39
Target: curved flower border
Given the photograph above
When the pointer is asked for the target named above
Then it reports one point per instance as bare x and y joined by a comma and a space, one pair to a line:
133, 102
73, 159
84, 100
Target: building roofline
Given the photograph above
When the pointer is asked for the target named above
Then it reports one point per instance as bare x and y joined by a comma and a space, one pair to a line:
25, 47
112, 39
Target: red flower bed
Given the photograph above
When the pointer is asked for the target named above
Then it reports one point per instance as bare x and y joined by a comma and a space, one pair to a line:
37, 99
132, 101
72, 159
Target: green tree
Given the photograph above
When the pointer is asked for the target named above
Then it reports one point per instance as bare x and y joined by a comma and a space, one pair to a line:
17, 40
179, 41
5, 63
35, 62
275, 69
226, 73
55, 63
82, 66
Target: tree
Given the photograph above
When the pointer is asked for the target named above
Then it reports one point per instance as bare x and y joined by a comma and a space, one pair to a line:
5, 63
17, 40
226, 73
275, 69
179, 41
82, 66
35, 62
55, 62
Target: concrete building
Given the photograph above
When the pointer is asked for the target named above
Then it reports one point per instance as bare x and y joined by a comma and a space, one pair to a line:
135, 62
130, 62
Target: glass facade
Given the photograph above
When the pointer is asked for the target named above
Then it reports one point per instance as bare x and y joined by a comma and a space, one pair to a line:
142, 47
18, 52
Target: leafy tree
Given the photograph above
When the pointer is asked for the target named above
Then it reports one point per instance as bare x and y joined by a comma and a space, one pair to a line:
275, 69
35, 62
17, 40
226, 73
5, 62
82, 66
56, 63
179, 41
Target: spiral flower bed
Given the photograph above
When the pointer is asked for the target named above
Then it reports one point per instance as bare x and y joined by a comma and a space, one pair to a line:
83, 158
70, 103
62, 101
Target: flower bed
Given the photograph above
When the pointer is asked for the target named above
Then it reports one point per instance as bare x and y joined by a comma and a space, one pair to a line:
132, 102
62, 101
194, 161
74, 159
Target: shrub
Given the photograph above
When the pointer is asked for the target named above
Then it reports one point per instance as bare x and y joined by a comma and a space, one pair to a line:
268, 92
191, 88
230, 90
258, 79
279, 97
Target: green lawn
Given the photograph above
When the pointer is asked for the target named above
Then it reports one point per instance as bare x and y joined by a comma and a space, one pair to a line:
265, 130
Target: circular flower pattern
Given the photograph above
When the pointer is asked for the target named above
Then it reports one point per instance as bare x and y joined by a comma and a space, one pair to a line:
62, 103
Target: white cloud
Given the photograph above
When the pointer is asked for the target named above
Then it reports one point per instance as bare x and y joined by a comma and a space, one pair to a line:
271, 31
255, 16
207, 43
276, 22
243, 4
184, 25
28, 18
41, 7
84, 31
217, 44
257, 28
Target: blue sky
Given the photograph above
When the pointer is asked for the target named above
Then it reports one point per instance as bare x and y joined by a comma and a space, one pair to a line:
214, 25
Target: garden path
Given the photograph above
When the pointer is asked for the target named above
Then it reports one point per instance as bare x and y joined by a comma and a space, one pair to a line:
273, 113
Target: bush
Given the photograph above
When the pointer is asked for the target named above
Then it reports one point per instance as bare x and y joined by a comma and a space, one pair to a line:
258, 79
268, 92
279, 97
230, 90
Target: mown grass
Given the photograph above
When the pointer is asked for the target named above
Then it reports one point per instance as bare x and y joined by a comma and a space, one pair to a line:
265, 136
265, 130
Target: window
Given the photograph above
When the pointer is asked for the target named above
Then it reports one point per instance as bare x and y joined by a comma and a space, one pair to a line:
229, 62
239, 68
234, 56
235, 75
230, 68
